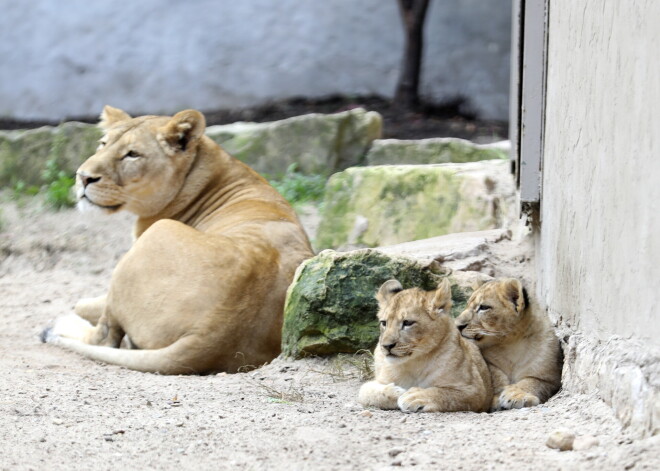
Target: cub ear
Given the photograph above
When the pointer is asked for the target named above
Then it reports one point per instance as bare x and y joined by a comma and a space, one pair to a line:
387, 290
515, 293
111, 116
441, 302
185, 128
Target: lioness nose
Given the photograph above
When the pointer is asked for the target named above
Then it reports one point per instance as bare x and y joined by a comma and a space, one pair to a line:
87, 179
389, 347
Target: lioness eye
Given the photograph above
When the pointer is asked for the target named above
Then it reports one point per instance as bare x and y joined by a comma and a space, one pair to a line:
383, 323
132, 155
483, 307
408, 323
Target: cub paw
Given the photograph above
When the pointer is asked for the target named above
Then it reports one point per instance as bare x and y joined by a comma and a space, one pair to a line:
393, 390
69, 326
513, 397
415, 400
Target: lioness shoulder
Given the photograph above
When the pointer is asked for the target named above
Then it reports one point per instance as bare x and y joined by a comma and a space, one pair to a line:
516, 340
422, 363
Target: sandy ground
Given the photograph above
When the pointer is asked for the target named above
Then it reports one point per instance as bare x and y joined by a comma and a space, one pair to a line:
60, 411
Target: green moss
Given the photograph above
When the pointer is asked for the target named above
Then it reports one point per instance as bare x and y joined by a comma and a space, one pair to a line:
330, 306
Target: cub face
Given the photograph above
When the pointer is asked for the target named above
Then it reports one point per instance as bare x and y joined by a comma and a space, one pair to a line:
141, 163
410, 319
493, 312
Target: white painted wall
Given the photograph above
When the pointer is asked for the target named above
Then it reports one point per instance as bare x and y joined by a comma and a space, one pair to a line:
599, 243
64, 58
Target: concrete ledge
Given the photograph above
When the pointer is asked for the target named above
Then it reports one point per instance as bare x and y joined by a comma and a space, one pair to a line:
625, 373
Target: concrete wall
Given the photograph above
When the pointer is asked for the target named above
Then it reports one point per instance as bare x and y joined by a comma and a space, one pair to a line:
599, 239
70, 57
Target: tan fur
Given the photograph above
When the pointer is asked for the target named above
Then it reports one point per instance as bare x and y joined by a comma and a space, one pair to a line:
516, 340
426, 366
202, 289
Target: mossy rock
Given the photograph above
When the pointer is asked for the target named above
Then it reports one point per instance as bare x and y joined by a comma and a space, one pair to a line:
390, 204
331, 308
434, 151
316, 143
23, 154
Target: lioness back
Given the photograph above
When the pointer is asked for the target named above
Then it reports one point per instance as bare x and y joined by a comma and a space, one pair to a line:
421, 361
202, 288
516, 340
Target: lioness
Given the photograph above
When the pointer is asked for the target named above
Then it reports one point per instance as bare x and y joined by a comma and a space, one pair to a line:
202, 288
517, 342
422, 362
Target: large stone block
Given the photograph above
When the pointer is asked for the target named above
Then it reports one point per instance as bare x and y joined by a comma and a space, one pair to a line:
317, 143
385, 205
331, 308
439, 150
23, 154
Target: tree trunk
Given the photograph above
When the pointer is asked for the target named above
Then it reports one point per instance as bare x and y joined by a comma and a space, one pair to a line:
413, 14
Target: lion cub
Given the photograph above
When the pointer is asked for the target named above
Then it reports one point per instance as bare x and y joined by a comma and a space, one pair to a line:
422, 362
517, 342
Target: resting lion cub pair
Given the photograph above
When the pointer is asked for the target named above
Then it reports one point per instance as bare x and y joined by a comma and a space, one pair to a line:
503, 355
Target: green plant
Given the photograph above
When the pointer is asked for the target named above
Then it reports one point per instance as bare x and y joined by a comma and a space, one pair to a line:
299, 188
58, 184
20, 188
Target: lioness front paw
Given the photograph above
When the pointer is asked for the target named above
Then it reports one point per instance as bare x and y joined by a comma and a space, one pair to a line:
512, 397
70, 326
415, 400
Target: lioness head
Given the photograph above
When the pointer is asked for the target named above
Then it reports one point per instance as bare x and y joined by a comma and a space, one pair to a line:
410, 320
493, 311
141, 163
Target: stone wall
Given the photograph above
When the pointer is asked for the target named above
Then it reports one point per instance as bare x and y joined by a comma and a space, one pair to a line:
69, 58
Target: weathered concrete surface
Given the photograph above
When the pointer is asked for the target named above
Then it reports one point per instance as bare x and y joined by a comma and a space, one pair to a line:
208, 54
317, 143
330, 306
598, 245
23, 154
626, 374
440, 150
384, 205
463, 251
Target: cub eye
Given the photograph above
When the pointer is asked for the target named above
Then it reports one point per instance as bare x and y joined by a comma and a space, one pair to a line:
383, 323
101, 145
131, 155
483, 307
407, 323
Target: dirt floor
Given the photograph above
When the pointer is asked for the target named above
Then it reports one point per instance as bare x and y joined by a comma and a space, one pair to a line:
60, 411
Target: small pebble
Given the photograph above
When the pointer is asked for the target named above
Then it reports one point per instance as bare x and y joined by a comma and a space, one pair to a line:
395, 451
403, 419
57, 421
561, 439
366, 413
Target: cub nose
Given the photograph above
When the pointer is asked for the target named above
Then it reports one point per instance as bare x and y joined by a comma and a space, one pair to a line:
389, 347
87, 179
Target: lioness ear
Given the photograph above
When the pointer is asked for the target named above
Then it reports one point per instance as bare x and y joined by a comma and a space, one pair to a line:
441, 301
111, 116
387, 290
515, 293
185, 128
